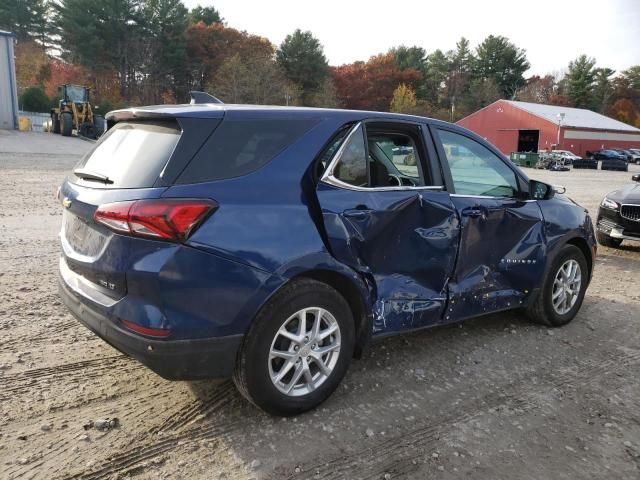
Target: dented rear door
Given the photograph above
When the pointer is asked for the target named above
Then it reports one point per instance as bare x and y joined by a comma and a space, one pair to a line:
402, 240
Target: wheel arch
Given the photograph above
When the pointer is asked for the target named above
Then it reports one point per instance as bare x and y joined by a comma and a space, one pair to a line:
355, 297
582, 244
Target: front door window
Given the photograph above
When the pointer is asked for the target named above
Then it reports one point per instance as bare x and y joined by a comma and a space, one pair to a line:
475, 169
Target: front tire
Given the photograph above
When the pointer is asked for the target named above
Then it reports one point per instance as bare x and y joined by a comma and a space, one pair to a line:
606, 241
563, 290
66, 124
297, 350
55, 123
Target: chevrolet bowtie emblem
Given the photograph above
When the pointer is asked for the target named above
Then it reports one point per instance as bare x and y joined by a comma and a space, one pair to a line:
66, 203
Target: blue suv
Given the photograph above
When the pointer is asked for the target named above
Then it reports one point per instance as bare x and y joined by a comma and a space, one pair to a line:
273, 244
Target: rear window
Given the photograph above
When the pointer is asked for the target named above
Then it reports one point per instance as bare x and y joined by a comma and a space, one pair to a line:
238, 147
131, 154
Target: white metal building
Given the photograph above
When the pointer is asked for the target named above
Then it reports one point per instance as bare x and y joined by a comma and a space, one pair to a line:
8, 91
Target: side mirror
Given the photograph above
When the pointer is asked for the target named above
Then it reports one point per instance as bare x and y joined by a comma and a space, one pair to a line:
636, 177
540, 191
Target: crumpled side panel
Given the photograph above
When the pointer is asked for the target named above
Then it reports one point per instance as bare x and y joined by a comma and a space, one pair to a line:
501, 258
404, 242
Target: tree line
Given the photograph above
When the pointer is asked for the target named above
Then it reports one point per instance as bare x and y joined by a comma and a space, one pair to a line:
134, 52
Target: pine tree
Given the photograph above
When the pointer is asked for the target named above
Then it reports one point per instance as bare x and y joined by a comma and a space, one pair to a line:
301, 57
27, 19
206, 15
499, 59
580, 82
602, 89
103, 36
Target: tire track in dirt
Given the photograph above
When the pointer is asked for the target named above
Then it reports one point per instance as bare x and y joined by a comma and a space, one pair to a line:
42, 335
22, 381
146, 406
132, 460
391, 455
199, 408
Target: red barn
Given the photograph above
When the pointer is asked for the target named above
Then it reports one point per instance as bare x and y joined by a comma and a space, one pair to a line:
530, 127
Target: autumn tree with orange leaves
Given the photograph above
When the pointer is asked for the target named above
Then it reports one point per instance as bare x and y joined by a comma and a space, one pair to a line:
370, 85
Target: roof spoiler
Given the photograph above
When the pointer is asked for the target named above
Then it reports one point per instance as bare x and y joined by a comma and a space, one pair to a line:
203, 97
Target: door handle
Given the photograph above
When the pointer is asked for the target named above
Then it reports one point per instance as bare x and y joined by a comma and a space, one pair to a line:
357, 213
472, 212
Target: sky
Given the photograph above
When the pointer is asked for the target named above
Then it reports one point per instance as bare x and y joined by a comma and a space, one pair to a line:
552, 32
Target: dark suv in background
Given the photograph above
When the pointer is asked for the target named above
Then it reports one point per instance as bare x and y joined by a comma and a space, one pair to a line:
273, 244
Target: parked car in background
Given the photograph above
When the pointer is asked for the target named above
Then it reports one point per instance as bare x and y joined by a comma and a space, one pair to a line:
619, 215
636, 153
625, 153
607, 154
632, 156
272, 244
566, 156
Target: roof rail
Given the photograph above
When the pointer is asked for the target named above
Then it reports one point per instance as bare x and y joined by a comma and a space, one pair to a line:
203, 97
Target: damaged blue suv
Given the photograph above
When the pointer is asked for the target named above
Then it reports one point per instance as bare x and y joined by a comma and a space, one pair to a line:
272, 244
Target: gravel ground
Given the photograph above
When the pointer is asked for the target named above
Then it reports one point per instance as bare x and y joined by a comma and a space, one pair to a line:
495, 398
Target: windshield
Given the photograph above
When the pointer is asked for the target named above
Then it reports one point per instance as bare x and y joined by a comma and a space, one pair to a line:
76, 94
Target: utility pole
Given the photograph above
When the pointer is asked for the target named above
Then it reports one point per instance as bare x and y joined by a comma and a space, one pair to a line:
560, 120
453, 107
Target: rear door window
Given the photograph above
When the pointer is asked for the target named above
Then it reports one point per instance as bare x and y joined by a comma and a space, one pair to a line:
238, 147
131, 154
386, 155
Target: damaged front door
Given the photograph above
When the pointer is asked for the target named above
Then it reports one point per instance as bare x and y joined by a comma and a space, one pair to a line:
502, 245
385, 218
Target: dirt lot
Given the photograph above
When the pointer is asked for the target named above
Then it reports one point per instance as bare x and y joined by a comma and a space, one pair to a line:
493, 398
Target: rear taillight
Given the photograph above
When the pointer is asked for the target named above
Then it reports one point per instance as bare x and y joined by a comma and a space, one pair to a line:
150, 332
168, 219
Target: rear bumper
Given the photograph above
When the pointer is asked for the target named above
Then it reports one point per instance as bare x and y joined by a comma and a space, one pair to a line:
171, 359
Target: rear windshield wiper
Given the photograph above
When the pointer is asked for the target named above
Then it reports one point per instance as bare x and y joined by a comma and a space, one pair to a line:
92, 176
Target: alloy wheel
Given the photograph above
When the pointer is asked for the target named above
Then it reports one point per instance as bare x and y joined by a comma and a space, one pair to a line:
304, 351
566, 287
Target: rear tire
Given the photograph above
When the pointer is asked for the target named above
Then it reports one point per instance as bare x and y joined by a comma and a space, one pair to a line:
257, 369
606, 241
87, 130
545, 309
98, 122
66, 124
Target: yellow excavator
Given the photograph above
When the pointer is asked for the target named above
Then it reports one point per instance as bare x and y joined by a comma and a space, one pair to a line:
75, 113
